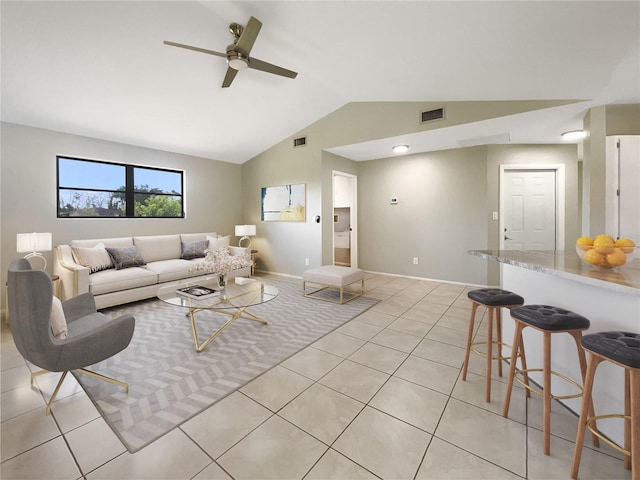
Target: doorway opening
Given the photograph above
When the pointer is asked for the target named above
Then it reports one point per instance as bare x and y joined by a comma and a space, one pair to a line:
345, 219
532, 207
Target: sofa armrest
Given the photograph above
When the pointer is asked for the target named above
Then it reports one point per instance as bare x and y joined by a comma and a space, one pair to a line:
74, 278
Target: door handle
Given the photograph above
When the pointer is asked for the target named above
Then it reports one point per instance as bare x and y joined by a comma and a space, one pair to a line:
507, 238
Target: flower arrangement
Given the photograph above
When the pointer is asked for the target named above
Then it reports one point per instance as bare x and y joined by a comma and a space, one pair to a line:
219, 261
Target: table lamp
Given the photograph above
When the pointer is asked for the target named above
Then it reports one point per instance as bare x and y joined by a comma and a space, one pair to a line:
34, 243
245, 231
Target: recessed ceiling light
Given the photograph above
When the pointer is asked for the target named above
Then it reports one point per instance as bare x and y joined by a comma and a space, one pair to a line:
401, 149
574, 135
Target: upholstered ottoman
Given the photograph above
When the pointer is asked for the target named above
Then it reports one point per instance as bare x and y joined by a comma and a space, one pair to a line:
333, 277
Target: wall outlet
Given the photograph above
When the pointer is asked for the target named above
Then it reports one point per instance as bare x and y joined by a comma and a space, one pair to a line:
306, 261
415, 260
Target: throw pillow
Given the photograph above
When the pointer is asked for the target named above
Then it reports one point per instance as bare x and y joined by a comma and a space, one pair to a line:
125, 257
58, 320
191, 250
218, 243
96, 258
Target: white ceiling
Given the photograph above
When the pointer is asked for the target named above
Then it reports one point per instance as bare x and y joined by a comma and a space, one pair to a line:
100, 69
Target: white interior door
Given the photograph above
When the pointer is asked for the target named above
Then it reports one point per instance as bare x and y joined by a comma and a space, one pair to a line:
345, 197
529, 214
623, 187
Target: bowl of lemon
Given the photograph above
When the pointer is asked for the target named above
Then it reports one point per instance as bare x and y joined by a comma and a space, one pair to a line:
604, 251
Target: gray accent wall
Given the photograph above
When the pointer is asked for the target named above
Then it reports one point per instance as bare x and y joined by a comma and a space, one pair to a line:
28, 195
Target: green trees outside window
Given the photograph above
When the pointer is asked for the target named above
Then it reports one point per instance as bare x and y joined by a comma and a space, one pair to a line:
90, 188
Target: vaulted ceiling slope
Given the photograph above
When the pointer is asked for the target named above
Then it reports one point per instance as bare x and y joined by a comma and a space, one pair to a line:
100, 68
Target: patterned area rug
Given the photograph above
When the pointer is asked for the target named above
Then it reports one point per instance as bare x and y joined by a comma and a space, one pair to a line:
169, 382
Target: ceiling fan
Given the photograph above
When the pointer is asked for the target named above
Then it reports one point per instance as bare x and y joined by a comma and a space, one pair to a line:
238, 52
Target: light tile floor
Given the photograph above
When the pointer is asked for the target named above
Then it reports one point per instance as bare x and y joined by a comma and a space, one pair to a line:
380, 397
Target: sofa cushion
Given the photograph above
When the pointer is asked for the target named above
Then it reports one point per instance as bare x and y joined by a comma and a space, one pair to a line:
159, 247
126, 257
191, 250
108, 242
170, 270
218, 243
95, 259
58, 320
196, 237
115, 280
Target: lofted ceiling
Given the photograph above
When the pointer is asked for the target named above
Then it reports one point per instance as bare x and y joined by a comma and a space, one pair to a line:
100, 69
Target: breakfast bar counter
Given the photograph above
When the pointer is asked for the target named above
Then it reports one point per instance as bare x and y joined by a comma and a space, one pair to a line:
609, 298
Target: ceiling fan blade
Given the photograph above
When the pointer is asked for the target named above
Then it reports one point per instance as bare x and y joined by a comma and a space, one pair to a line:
228, 78
195, 49
248, 37
270, 68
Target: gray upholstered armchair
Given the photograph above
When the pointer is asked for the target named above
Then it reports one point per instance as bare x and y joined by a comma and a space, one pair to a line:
90, 336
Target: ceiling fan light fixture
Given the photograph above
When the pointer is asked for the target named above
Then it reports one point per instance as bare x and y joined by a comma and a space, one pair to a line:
238, 62
574, 135
400, 148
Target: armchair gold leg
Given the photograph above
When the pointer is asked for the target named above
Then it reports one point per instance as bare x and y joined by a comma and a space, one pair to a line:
105, 378
86, 372
55, 392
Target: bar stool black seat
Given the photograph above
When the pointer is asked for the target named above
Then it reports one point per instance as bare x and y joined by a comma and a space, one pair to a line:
547, 319
494, 299
622, 349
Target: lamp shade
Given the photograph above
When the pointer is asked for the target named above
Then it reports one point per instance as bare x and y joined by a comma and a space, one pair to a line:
33, 242
245, 230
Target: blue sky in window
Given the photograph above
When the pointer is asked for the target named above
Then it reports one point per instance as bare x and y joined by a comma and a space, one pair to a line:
104, 176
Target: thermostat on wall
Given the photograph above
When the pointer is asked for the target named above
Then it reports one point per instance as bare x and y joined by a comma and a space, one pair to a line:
394, 200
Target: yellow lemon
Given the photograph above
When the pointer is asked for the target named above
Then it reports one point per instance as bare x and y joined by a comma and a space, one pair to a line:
594, 258
616, 258
626, 243
603, 244
584, 243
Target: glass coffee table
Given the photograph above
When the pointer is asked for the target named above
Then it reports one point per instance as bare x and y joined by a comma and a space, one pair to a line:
233, 300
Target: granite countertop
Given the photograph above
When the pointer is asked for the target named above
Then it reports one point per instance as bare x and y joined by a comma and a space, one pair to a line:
624, 279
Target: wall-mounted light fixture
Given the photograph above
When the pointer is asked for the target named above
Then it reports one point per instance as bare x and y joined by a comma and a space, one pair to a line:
574, 135
401, 149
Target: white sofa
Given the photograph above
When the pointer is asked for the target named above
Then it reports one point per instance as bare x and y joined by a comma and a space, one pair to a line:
163, 263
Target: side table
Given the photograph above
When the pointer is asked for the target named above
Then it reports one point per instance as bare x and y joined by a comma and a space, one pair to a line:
253, 261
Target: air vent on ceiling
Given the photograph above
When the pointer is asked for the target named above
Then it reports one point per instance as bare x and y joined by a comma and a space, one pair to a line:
300, 141
431, 115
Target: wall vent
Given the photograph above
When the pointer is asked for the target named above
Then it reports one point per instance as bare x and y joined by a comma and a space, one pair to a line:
431, 115
300, 141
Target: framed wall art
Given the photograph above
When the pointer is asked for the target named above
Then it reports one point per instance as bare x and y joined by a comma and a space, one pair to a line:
285, 203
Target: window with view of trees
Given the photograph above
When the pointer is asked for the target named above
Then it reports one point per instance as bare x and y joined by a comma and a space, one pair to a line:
90, 188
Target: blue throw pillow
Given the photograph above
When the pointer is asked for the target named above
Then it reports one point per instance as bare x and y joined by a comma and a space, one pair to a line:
191, 250
125, 257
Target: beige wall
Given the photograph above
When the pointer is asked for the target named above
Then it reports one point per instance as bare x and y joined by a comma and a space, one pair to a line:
28, 194
440, 215
443, 195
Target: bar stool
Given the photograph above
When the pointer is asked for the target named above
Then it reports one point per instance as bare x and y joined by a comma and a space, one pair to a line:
548, 320
494, 299
623, 349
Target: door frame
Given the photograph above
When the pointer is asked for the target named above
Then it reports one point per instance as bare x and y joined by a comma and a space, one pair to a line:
559, 169
353, 221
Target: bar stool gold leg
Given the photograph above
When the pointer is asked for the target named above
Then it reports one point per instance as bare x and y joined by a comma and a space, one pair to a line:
582, 421
634, 408
547, 392
499, 337
474, 307
487, 388
517, 346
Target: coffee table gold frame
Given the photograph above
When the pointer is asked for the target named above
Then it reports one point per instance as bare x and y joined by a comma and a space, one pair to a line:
233, 300
234, 312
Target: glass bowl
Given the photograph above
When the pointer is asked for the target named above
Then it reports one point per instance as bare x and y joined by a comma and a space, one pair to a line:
601, 257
